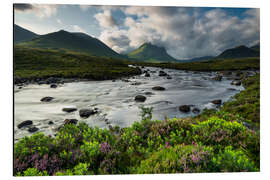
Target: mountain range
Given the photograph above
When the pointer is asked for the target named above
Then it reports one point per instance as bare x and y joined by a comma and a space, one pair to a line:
83, 43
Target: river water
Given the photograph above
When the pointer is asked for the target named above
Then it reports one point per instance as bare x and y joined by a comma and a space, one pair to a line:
115, 100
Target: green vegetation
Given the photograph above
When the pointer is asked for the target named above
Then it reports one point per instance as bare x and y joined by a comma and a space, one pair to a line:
215, 141
213, 65
33, 63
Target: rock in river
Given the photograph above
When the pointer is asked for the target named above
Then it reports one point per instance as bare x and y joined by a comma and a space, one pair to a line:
33, 129
53, 86
158, 88
70, 121
69, 109
184, 108
217, 78
236, 83
85, 113
217, 102
162, 73
196, 110
25, 123
47, 99
140, 98
147, 74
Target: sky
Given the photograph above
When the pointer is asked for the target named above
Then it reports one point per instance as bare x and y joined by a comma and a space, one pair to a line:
185, 32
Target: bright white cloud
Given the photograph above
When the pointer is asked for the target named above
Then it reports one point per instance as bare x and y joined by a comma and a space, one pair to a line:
77, 28
105, 19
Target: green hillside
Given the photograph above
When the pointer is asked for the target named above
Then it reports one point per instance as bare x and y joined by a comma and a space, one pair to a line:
78, 42
21, 34
34, 63
238, 52
150, 53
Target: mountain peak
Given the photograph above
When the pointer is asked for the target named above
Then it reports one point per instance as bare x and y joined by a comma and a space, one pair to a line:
150, 52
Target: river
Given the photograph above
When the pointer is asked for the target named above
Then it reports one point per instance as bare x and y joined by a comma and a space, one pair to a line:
115, 100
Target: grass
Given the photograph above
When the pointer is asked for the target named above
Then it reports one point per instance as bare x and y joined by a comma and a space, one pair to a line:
213, 65
215, 141
33, 63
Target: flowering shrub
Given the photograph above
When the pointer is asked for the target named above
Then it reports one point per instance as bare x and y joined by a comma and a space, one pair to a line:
231, 160
178, 159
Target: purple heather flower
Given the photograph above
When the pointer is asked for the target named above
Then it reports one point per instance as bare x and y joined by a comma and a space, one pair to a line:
105, 147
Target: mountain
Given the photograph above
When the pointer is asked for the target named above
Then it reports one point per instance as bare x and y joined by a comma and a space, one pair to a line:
151, 53
238, 52
21, 34
78, 42
256, 47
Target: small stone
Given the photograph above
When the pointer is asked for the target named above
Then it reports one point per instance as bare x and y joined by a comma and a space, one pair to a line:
158, 88
217, 102
184, 108
140, 98
53, 86
33, 129
70, 121
47, 99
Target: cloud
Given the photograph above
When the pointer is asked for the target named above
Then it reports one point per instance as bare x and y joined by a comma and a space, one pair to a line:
105, 19
59, 21
40, 10
184, 32
77, 28
117, 40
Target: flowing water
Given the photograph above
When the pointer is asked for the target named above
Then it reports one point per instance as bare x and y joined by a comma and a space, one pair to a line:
115, 100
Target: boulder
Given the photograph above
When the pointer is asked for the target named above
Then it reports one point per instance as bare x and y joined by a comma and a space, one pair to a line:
33, 129
85, 113
25, 123
236, 83
70, 121
149, 93
47, 99
184, 108
196, 110
147, 74
217, 78
162, 73
140, 98
53, 86
158, 88
217, 102
69, 109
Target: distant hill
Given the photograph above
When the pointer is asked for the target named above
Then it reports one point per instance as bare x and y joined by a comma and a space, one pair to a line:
150, 53
77, 42
198, 59
256, 47
21, 34
238, 52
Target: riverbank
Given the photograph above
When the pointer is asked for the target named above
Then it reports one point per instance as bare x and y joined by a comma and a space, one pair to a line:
215, 141
32, 65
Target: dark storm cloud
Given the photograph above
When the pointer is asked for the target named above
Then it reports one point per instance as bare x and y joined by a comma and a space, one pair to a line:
22, 7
